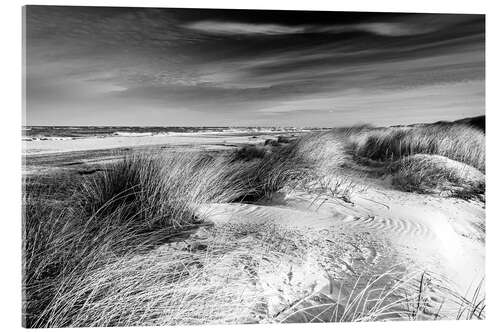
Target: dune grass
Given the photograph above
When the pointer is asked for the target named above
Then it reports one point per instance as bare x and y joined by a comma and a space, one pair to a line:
133, 206
446, 159
455, 141
415, 295
437, 174
170, 286
248, 153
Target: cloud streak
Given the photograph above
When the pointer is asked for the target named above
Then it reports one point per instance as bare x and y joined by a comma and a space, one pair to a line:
236, 28
411, 27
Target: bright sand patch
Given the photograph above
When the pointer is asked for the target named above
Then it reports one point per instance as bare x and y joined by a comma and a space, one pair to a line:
378, 230
111, 142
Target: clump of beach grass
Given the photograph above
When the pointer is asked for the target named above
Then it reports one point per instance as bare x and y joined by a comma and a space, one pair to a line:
170, 285
131, 207
249, 153
455, 141
424, 173
415, 295
446, 158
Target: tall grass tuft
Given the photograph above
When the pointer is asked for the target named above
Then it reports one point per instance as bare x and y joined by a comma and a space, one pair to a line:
458, 142
437, 174
132, 207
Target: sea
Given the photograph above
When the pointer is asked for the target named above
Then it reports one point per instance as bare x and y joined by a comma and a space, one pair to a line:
34, 133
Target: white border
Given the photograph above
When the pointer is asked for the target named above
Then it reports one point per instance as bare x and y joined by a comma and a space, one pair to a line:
10, 186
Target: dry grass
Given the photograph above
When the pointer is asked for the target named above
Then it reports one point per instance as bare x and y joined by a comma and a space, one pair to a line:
163, 288
457, 142
323, 150
308, 162
132, 207
215, 279
446, 159
437, 174
414, 295
249, 153
327, 155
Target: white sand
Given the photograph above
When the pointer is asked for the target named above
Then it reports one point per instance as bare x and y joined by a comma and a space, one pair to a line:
380, 229
82, 144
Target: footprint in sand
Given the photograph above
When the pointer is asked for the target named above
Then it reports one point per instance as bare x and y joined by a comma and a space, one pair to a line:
369, 254
363, 254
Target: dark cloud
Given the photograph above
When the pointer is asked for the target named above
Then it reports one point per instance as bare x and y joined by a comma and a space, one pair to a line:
98, 65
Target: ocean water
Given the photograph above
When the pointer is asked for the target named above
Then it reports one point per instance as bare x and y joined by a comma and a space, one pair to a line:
32, 133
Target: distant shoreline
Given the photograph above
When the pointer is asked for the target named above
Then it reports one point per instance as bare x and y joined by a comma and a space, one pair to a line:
35, 133
64, 144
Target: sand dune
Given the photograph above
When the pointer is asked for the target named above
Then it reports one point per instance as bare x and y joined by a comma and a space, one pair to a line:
373, 234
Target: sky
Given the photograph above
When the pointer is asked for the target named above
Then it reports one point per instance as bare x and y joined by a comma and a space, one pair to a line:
196, 67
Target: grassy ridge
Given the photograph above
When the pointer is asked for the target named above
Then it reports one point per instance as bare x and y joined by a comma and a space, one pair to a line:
444, 158
437, 174
458, 142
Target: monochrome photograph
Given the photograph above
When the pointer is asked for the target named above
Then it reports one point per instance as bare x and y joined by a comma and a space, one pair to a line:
185, 166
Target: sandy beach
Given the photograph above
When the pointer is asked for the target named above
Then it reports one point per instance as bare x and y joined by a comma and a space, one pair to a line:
113, 142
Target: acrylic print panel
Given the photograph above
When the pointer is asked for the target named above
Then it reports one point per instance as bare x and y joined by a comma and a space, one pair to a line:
197, 166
